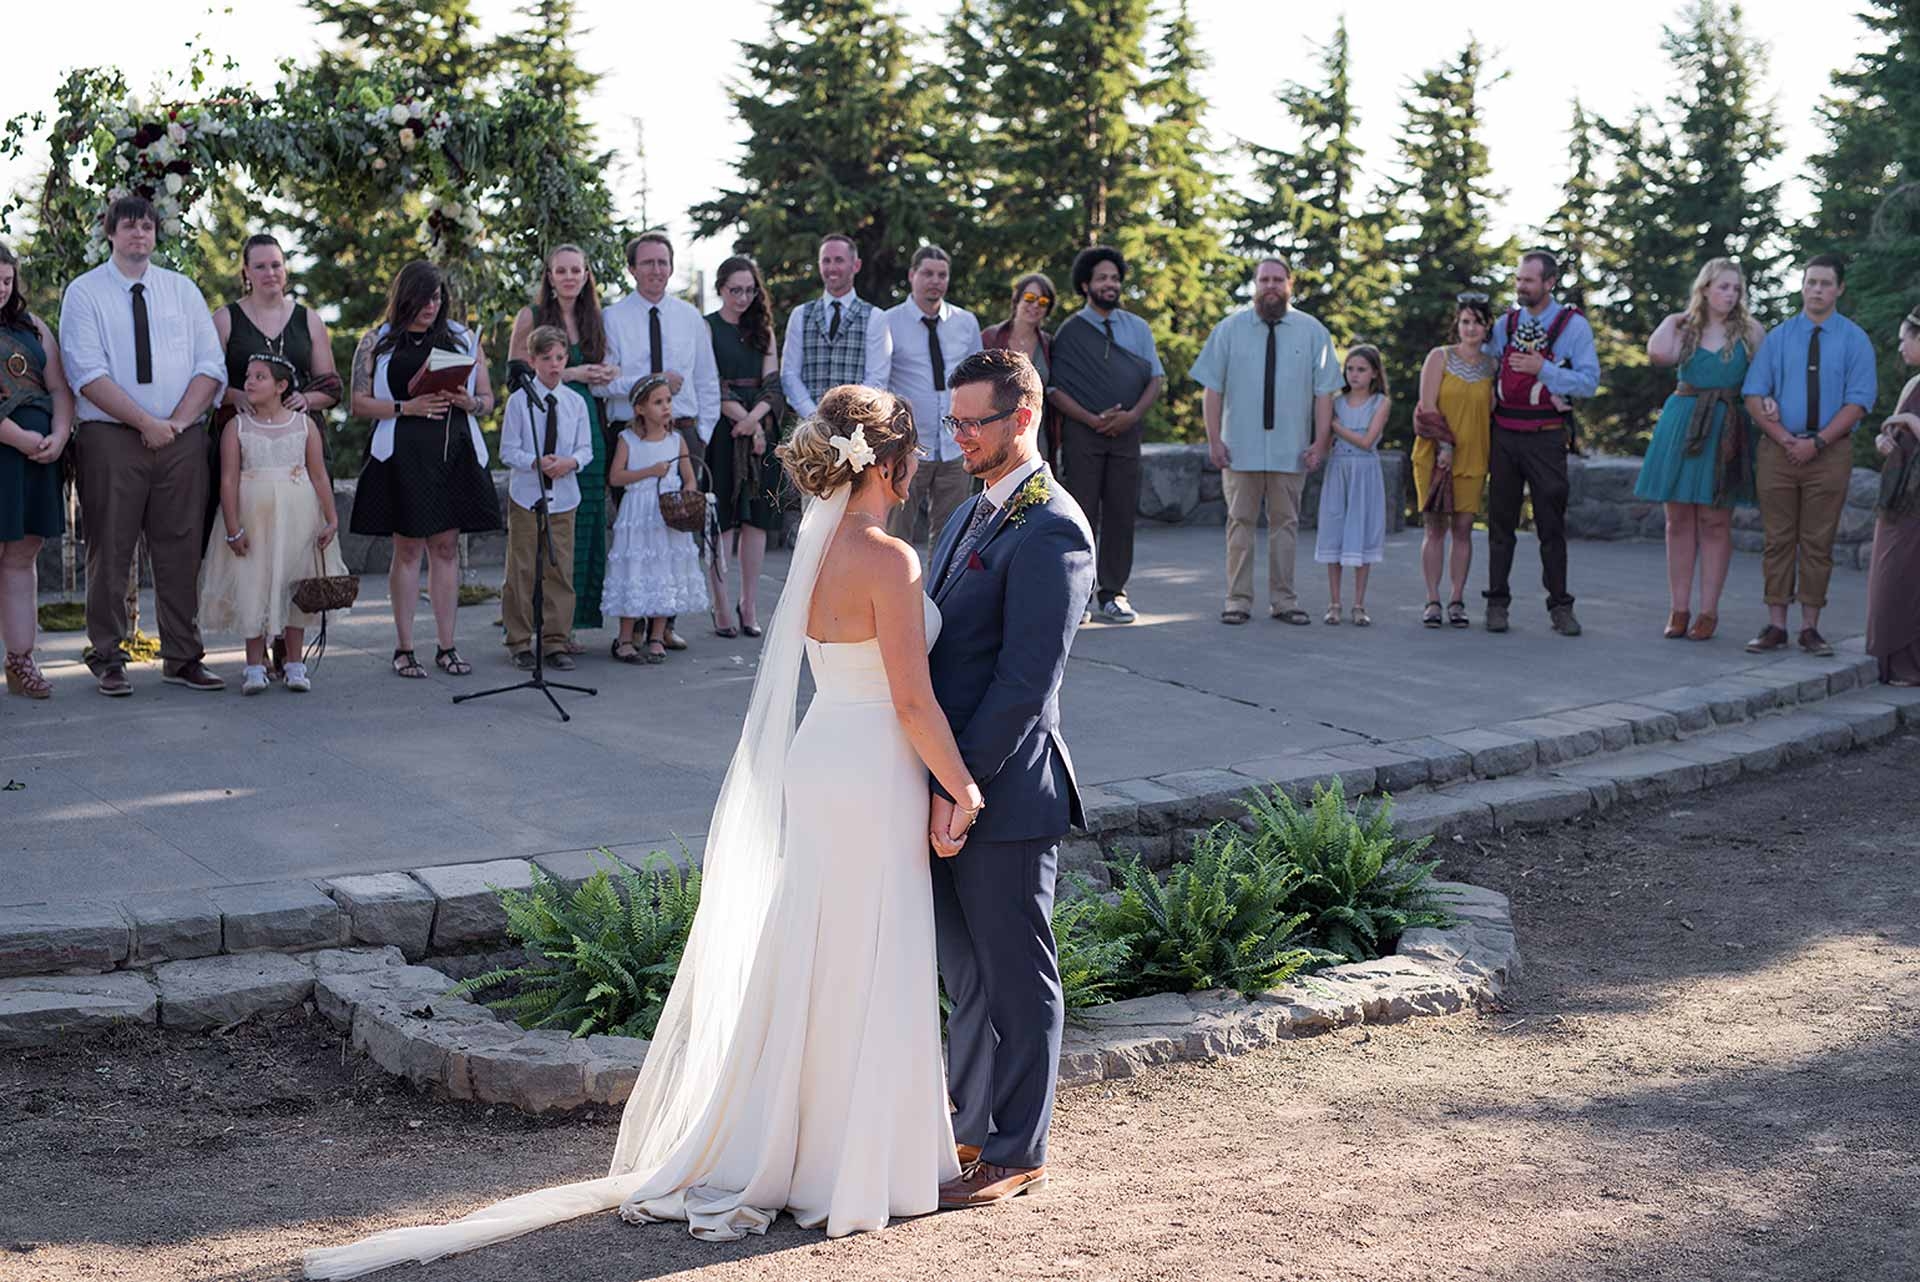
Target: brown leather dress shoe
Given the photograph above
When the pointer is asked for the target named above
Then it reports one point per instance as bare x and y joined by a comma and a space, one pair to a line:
194, 676
984, 1184
1770, 639
113, 683
968, 1155
1813, 643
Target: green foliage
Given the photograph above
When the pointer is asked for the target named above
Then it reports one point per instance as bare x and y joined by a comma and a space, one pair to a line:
1359, 885
600, 960
1089, 964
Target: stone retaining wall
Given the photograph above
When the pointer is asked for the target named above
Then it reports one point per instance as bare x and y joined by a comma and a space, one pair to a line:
1179, 485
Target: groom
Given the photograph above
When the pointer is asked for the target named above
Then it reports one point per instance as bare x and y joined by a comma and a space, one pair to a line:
1012, 575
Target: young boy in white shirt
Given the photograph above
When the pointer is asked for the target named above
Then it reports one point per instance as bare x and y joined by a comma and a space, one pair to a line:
547, 437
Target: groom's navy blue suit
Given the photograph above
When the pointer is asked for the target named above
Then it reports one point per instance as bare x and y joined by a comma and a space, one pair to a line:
1008, 617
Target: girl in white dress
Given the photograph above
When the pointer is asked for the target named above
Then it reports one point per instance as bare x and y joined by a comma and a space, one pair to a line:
276, 507
797, 1063
653, 572
1353, 498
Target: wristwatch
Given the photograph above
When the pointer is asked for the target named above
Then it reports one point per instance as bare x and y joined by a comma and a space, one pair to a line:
1818, 443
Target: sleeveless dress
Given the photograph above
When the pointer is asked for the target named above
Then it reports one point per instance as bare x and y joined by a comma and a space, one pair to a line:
1669, 474
251, 595
754, 498
1465, 400
433, 481
590, 518
1353, 499
652, 570
30, 492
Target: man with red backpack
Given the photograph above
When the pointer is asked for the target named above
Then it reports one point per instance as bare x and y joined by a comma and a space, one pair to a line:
1546, 359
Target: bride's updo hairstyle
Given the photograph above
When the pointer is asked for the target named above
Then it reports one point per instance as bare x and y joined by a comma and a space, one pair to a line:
809, 454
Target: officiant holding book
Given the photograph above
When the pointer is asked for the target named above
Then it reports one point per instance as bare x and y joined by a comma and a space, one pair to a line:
422, 377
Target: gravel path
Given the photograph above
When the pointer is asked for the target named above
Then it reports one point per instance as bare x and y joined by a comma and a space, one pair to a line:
1708, 1071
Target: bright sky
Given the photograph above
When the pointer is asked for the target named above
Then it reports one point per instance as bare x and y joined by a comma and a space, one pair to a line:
665, 66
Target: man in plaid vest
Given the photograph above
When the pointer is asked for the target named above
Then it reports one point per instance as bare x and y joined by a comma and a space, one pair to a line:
837, 338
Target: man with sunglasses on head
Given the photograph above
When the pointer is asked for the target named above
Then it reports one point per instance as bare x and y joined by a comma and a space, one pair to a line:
930, 337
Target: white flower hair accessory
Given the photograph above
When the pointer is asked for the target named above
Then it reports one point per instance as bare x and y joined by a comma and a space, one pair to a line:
853, 450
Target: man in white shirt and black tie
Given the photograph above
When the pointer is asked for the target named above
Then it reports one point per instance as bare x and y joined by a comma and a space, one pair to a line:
930, 337
145, 364
837, 338
652, 332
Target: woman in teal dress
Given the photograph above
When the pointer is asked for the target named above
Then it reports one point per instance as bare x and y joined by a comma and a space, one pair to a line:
36, 419
568, 300
1700, 462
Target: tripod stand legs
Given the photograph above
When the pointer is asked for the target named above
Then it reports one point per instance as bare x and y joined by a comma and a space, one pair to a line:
544, 557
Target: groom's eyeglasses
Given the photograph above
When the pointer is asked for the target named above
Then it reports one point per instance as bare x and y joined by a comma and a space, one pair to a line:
969, 426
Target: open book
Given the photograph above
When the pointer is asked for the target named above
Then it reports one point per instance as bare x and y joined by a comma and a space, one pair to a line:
444, 372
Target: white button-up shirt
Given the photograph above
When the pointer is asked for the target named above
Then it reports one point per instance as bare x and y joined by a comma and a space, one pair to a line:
793, 352
96, 338
524, 433
910, 375
686, 349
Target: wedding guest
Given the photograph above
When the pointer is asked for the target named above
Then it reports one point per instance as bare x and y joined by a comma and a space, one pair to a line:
36, 421
1451, 426
651, 332
1545, 359
265, 318
1023, 332
746, 475
425, 482
145, 365
548, 441
1893, 601
569, 301
837, 338
1352, 524
1810, 382
930, 336
1106, 376
1700, 461
653, 570
1270, 375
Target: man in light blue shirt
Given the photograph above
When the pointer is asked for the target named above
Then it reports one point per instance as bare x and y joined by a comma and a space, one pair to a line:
1106, 376
930, 337
1811, 381
1270, 374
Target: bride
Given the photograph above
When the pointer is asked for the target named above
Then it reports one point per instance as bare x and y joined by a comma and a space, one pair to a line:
797, 1063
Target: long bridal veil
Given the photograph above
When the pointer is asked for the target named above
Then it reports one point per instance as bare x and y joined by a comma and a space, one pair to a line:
739, 880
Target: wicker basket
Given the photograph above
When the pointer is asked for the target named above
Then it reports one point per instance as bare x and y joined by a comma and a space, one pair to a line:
325, 591
686, 510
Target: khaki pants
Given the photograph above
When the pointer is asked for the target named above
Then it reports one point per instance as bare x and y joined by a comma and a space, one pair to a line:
1244, 492
938, 489
516, 595
1800, 507
127, 489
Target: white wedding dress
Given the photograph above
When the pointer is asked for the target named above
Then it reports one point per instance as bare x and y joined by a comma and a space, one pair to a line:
797, 1065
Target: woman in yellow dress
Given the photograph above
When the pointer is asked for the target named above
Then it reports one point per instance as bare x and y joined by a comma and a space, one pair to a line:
1453, 426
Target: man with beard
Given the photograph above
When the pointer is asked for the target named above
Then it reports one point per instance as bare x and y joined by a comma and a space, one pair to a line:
1106, 376
1270, 374
1546, 357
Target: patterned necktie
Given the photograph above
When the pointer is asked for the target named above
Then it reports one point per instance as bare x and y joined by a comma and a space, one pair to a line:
982, 513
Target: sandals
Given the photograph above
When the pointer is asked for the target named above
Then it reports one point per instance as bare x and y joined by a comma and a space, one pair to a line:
1332, 616
1360, 617
448, 660
627, 652
1457, 615
1431, 619
24, 677
405, 664
1235, 616
656, 651
1676, 626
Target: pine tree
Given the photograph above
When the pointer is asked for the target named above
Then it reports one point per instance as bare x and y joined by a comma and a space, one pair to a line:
1447, 245
541, 56
839, 132
1308, 210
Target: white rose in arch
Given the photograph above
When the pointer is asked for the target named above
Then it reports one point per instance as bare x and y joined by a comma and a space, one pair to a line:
401, 114
171, 226
379, 162
174, 183
408, 140
177, 133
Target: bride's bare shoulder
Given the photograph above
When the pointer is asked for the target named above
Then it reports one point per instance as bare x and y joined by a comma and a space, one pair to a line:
883, 560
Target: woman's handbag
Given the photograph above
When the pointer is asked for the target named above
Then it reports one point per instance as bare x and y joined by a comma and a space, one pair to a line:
686, 510
325, 591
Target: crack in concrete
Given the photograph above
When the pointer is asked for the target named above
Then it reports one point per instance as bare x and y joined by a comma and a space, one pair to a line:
1215, 694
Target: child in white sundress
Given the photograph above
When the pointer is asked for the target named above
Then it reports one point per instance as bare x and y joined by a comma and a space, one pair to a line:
653, 571
1353, 498
278, 523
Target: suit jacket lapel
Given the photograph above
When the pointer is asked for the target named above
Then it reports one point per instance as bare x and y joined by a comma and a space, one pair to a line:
944, 554
997, 524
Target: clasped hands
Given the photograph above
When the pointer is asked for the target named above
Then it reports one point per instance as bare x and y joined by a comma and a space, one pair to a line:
555, 466
948, 825
1115, 421
1890, 426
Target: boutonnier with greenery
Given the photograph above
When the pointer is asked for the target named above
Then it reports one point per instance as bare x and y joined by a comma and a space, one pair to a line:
1036, 490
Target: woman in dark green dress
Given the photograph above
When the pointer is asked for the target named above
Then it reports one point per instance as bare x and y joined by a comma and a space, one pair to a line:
567, 300
746, 476
36, 419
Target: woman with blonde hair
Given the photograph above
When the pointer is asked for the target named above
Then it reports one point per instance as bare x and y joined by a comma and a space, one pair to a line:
1700, 462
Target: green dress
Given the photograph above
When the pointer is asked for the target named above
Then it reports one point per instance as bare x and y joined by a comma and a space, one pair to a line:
590, 518
30, 501
749, 494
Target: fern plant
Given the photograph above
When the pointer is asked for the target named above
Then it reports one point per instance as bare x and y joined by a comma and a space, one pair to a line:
1091, 965
1358, 886
600, 960
1220, 921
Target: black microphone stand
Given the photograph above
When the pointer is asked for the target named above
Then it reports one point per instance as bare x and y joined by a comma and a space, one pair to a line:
543, 557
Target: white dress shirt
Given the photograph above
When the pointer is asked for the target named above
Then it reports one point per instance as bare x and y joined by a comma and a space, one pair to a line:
686, 349
524, 432
911, 374
1002, 490
879, 352
96, 338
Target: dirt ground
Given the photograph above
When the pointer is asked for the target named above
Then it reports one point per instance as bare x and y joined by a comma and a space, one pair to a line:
1708, 1071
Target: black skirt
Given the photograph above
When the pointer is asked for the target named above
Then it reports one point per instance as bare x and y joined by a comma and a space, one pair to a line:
749, 499
431, 484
